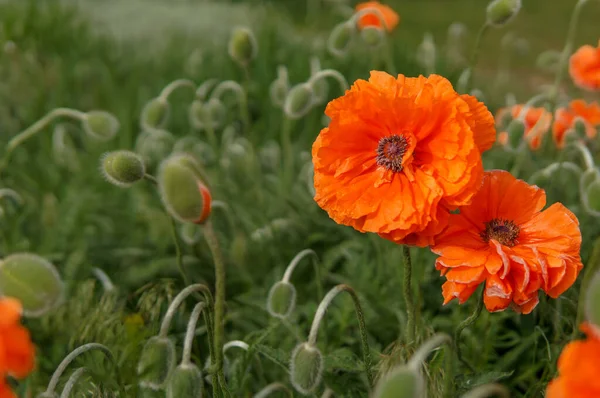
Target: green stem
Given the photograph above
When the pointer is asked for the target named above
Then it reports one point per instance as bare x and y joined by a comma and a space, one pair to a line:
592, 266
408, 296
389, 58
219, 327
287, 150
465, 324
475, 54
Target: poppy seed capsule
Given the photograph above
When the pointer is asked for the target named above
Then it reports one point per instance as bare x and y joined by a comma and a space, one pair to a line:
242, 46
401, 382
156, 363
516, 131
185, 382
281, 300
299, 101
155, 113
101, 125
184, 195
123, 168
500, 12
340, 39
33, 281
306, 368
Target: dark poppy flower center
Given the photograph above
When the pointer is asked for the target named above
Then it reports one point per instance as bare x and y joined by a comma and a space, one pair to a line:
390, 151
505, 232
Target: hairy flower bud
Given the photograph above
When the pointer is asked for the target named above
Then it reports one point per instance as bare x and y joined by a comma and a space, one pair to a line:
101, 125
280, 87
33, 281
123, 168
401, 382
183, 193
500, 12
242, 46
210, 113
281, 300
372, 36
306, 368
155, 113
588, 177
185, 381
156, 362
340, 38
299, 101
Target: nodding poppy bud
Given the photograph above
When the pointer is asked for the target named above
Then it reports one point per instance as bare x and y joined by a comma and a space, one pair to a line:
299, 101
211, 113
100, 125
318, 83
340, 38
592, 301
156, 362
242, 46
592, 196
548, 60
185, 381
588, 177
280, 87
306, 368
123, 168
401, 382
500, 12
155, 113
372, 36
426, 53
281, 300
183, 193
516, 131
33, 281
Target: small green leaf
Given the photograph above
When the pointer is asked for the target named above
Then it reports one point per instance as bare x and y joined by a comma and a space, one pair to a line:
276, 355
343, 359
485, 378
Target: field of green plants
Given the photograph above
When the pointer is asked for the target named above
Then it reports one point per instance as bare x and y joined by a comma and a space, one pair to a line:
193, 202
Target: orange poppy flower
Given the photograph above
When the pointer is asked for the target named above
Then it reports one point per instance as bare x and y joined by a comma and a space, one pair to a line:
584, 67
537, 122
505, 240
16, 349
5, 391
398, 154
578, 369
564, 120
390, 17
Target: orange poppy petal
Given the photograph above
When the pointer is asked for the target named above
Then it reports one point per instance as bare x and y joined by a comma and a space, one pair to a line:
390, 17
5, 391
460, 291
10, 309
584, 67
482, 123
19, 351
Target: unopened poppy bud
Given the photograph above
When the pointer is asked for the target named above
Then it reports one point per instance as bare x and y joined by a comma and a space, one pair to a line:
306, 368
548, 60
516, 131
592, 194
280, 87
281, 300
592, 302
500, 12
242, 46
156, 362
123, 168
588, 177
185, 381
183, 193
340, 38
426, 53
401, 382
299, 101
155, 113
372, 36
101, 125
33, 281
198, 114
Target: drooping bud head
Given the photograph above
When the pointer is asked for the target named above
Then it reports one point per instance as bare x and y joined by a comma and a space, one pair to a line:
306, 368
281, 300
156, 363
123, 168
185, 381
101, 125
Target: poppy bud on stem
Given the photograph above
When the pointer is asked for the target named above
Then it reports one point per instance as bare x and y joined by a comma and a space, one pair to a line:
241, 95
341, 38
387, 53
280, 87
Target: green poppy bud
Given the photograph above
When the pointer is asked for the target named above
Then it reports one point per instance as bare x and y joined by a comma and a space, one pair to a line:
306, 368
183, 193
101, 125
156, 363
592, 301
588, 177
281, 300
280, 87
500, 12
401, 382
340, 39
32, 280
242, 46
154, 146
516, 132
155, 113
299, 101
592, 193
123, 168
372, 36
185, 382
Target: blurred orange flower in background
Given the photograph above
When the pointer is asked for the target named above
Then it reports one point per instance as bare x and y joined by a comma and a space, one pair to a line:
398, 154
578, 369
505, 240
537, 122
564, 120
16, 349
390, 17
584, 67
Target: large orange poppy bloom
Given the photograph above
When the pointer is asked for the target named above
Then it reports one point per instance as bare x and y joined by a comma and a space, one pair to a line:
398, 154
584, 67
505, 240
390, 17
16, 349
536, 120
578, 369
564, 120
